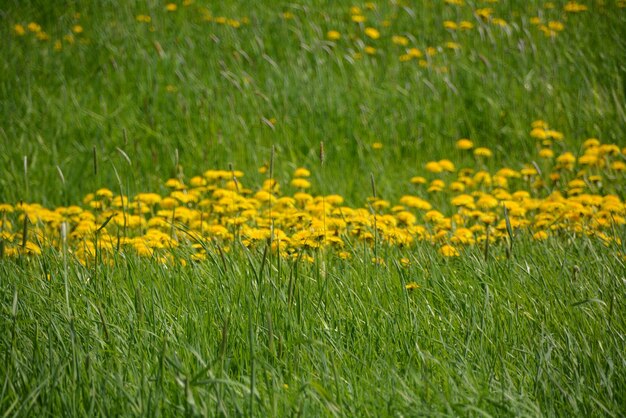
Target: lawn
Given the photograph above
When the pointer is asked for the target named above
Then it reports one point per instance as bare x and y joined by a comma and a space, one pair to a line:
313, 208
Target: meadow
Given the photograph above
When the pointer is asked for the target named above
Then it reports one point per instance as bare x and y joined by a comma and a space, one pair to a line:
313, 208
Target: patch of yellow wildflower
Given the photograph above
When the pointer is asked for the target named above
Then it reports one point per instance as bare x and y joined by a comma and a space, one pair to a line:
360, 25
564, 196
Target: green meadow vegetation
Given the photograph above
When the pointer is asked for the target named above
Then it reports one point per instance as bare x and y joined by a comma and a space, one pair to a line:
313, 208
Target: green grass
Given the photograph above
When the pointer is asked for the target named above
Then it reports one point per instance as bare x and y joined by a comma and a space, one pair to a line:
541, 333
535, 335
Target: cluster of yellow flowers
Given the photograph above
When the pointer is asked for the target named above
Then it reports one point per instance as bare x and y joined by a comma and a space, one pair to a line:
550, 28
449, 208
37, 31
205, 15
76, 31
369, 36
366, 40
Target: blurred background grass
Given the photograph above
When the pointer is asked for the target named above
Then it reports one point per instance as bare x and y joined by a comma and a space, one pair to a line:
206, 92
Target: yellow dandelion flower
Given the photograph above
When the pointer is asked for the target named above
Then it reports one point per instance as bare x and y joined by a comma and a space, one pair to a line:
300, 183
19, 30
418, 180
483, 152
615, 165
143, 18
556, 135
566, 159
174, 184
539, 124
484, 13
591, 143
433, 167
463, 236
574, 7
464, 144
457, 186
588, 159
609, 149
448, 251
486, 202
546, 153
271, 185
450, 25
32, 248
334, 199
434, 216
301, 172
415, 202
370, 50
488, 218
6, 208
171, 7
464, 200
104, 193
436, 186
414, 52
372, 33
380, 204
411, 286
528, 171
355, 10
400, 40
555, 26
34, 27
42, 36
333, 35
447, 165
148, 199
539, 133
576, 183
168, 203
344, 255
377, 146
197, 181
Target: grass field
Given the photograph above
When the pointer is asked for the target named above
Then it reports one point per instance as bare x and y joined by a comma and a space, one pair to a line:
313, 208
